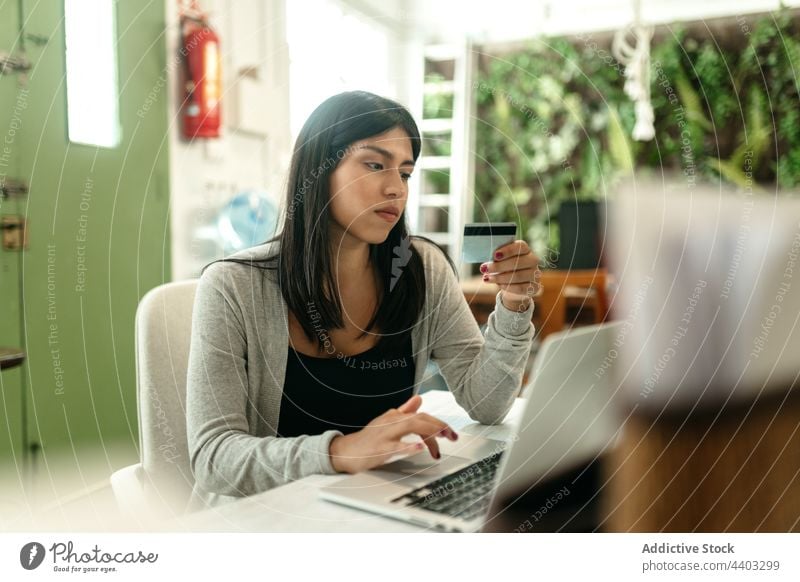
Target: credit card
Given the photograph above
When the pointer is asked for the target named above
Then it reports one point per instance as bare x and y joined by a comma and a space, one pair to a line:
481, 239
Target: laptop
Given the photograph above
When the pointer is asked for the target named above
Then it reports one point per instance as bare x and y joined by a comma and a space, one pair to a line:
568, 420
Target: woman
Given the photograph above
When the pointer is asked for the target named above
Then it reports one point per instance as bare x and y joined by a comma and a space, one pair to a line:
307, 351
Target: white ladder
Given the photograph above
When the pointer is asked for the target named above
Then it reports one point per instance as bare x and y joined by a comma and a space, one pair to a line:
439, 213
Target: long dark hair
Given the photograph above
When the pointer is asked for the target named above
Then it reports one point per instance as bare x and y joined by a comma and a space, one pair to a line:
304, 256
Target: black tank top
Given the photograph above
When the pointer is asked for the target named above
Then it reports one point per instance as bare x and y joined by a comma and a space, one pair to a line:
343, 393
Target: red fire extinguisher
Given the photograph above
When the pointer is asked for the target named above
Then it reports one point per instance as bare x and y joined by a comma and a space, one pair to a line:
203, 79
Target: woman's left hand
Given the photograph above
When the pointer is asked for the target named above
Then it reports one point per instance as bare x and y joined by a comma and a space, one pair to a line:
515, 270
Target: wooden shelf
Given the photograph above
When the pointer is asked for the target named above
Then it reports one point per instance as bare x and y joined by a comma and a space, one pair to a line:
11, 357
441, 238
436, 200
436, 162
436, 125
439, 88
440, 52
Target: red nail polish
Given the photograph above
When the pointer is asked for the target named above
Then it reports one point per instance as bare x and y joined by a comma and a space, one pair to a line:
498, 255
486, 277
484, 268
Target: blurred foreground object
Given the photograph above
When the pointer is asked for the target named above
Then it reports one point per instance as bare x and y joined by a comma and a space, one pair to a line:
708, 361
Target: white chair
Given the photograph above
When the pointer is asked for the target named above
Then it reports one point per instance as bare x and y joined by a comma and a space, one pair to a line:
159, 486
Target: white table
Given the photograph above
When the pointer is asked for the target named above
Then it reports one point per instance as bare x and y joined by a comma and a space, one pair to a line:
296, 506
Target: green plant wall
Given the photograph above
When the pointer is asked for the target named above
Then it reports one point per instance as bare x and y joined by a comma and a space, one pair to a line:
554, 123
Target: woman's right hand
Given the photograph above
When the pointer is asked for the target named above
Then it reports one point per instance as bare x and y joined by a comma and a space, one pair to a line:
374, 444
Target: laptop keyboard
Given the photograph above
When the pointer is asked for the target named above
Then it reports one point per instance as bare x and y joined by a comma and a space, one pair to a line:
465, 493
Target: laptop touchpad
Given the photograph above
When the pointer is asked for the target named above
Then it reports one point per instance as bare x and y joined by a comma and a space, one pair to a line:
423, 465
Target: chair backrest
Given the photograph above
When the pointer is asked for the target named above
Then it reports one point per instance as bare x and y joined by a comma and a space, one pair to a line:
552, 303
163, 334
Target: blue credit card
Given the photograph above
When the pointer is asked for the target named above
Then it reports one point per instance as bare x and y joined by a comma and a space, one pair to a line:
481, 239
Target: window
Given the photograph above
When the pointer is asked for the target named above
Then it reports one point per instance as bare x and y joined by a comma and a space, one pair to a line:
330, 51
91, 55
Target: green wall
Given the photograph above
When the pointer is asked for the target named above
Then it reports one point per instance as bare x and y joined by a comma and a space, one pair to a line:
10, 381
99, 236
